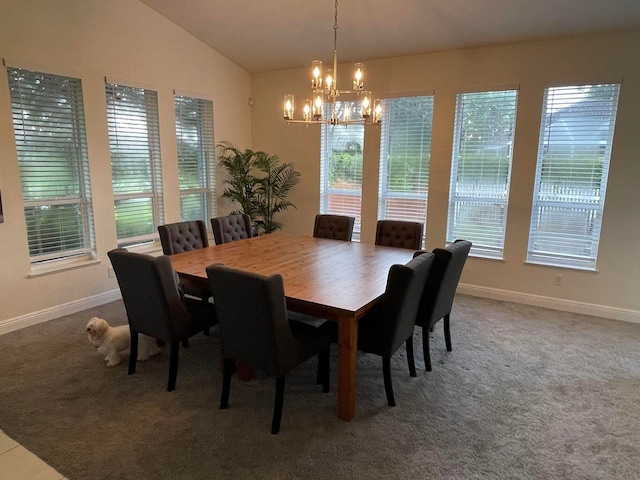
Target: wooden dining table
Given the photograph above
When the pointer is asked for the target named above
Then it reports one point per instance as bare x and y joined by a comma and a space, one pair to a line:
331, 279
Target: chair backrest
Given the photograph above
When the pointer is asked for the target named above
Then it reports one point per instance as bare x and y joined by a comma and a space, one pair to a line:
400, 302
335, 227
252, 315
183, 236
441, 285
395, 233
150, 295
231, 228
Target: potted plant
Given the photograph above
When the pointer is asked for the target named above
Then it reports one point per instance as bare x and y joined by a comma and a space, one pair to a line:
258, 183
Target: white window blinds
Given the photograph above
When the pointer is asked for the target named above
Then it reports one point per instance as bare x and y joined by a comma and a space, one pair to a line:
481, 169
341, 169
49, 127
405, 153
574, 150
134, 140
196, 157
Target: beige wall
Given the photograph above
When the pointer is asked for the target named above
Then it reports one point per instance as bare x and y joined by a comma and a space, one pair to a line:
91, 39
614, 290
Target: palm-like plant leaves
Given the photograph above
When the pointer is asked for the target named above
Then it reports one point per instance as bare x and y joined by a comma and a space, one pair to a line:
260, 196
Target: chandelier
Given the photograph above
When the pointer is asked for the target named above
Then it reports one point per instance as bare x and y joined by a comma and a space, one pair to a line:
325, 108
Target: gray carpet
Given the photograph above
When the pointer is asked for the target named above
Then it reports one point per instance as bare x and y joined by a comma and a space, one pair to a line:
527, 393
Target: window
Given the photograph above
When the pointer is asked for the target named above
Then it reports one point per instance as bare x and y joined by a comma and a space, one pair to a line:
571, 174
196, 157
341, 169
481, 169
405, 153
134, 140
48, 122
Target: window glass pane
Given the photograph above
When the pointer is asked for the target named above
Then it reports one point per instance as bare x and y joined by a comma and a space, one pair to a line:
134, 140
574, 150
196, 157
405, 153
341, 168
481, 169
49, 127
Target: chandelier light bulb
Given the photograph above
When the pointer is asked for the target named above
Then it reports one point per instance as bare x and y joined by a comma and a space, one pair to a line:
358, 84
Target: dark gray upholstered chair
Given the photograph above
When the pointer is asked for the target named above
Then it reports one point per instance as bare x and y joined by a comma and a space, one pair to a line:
183, 237
439, 292
391, 323
255, 329
395, 233
335, 227
154, 305
231, 228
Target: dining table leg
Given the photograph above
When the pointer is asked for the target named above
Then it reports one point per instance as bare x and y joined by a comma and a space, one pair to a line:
347, 361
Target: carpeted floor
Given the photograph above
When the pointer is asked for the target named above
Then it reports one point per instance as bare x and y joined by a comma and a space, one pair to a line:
527, 393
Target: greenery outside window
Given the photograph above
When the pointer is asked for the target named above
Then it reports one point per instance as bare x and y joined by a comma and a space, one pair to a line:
49, 127
405, 154
134, 140
481, 169
196, 156
341, 149
574, 151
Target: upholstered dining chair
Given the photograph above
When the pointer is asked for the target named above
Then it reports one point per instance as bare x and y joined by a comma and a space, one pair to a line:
396, 233
389, 324
154, 305
255, 329
439, 292
335, 227
182, 237
231, 228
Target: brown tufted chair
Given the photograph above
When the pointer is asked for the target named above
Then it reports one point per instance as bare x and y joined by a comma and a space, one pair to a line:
395, 233
231, 228
334, 227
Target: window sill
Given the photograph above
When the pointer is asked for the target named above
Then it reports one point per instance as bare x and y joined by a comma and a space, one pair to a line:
63, 266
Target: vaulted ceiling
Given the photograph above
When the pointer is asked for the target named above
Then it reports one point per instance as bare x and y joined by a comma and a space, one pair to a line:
264, 35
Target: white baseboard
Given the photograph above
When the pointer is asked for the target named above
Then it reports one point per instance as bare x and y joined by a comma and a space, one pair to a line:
47, 314
612, 313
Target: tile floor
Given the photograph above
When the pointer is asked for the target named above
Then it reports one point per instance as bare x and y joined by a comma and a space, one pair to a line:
18, 463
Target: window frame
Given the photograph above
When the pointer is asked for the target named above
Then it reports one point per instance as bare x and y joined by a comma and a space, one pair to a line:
326, 148
205, 156
595, 203
151, 143
480, 248
385, 193
65, 119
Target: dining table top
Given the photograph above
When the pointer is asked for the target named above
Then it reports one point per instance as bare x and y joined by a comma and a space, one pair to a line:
339, 277
331, 279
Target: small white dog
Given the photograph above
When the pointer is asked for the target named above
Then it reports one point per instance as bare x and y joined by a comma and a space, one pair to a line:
114, 341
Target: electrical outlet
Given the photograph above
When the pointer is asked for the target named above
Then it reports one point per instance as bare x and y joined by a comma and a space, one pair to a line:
557, 280
110, 272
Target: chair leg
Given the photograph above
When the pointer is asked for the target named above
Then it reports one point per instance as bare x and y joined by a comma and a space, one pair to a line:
447, 333
410, 359
324, 370
388, 386
133, 353
229, 367
277, 407
425, 349
173, 366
